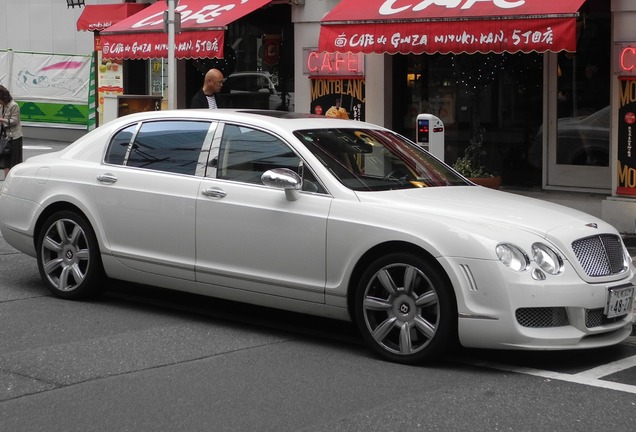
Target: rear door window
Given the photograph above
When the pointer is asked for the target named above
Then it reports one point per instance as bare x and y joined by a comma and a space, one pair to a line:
172, 146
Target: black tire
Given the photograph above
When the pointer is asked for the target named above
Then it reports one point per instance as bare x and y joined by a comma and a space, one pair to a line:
68, 256
405, 309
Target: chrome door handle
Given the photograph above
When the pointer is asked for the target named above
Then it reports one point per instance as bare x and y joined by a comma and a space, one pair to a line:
214, 192
107, 178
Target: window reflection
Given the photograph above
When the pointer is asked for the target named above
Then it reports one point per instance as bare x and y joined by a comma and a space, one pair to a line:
583, 96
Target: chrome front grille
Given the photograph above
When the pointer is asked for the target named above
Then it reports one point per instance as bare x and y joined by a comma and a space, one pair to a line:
542, 317
600, 255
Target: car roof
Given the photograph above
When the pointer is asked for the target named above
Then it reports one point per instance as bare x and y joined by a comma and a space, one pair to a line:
250, 73
262, 118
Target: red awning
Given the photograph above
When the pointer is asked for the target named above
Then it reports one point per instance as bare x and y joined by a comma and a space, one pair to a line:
450, 26
203, 25
98, 17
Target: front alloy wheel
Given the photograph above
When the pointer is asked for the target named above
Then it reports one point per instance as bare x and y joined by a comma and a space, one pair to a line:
404, 309
68, 256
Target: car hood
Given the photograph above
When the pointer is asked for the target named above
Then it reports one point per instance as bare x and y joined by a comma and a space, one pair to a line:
481, 205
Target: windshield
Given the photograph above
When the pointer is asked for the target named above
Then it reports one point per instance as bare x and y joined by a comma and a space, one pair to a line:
373, 160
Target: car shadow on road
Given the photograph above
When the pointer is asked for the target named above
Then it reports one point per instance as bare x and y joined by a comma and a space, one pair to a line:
330, 331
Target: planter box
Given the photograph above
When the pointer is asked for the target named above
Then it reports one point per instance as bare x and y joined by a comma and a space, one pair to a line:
489, 182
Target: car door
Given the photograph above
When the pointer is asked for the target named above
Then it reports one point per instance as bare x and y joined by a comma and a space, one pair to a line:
249, 236
147, 192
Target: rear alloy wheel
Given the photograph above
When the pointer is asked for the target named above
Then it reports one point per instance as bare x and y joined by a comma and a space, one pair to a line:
405, 310
68, 256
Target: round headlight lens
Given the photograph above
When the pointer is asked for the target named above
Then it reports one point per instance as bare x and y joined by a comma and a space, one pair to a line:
512, 257
547, 259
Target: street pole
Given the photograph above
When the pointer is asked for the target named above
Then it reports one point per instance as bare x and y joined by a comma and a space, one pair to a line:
172, 80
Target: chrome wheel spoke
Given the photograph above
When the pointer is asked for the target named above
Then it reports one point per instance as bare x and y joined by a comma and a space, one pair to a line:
406, 346
376, 304
77, 273
410, 278
76, 235
82, 254
61, 230
382, 331
427, 299
425, 327
63, 284
387, 282
52, 265
52, 245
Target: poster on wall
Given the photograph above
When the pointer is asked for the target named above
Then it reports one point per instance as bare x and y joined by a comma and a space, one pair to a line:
157, 77
50, 88
341, 98
626, 152
109, 78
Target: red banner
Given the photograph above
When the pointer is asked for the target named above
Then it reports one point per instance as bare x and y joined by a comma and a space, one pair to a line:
199, 44
203, 25
99, 17
463, 26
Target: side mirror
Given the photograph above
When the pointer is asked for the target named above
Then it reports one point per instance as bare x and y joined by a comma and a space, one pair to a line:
284, 178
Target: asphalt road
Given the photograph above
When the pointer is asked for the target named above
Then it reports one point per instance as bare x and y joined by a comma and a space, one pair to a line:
139, 359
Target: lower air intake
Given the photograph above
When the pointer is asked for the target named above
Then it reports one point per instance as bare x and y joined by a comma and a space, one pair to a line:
543, 317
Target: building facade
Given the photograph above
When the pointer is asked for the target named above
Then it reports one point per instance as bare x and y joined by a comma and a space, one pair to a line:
548, 120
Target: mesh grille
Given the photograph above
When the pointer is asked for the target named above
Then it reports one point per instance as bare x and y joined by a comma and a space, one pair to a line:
600, 255
542, 317
595, 318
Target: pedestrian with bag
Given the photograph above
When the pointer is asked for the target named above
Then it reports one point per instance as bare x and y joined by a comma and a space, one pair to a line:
11, 131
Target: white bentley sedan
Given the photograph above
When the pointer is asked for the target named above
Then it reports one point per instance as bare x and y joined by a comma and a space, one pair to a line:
335, 218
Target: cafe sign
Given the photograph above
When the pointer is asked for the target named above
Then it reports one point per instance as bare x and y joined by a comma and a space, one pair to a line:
625, 59
335, 64
626, 154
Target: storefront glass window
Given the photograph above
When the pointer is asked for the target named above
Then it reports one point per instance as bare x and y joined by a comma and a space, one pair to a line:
583, 95
495, 100
260, 47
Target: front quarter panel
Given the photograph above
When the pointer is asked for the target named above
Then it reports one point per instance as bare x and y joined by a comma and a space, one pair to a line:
355, 228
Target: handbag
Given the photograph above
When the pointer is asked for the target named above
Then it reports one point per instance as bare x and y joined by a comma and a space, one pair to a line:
5, 142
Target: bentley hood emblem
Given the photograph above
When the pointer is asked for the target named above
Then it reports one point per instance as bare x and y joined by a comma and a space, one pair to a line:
592, 225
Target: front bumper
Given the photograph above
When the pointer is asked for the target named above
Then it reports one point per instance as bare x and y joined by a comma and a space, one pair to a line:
502, 309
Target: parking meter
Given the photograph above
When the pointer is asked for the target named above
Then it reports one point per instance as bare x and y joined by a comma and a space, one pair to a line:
430, 134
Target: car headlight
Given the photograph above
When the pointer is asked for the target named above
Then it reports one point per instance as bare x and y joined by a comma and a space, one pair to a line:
547, 259
512, 257
627, 258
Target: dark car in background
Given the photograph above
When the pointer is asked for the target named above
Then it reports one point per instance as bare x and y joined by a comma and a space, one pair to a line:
256, 89
581, 140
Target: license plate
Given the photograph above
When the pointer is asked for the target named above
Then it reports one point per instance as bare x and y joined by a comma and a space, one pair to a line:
619, 301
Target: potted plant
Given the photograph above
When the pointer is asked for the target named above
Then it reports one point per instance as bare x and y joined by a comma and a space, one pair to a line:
474, 73
471, 165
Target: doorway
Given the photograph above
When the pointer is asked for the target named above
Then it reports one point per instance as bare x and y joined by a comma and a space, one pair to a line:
578, 95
